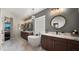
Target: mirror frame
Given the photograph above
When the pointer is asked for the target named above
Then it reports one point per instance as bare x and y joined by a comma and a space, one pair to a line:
58, 16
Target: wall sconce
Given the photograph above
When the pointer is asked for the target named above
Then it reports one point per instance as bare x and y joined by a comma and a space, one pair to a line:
56, 11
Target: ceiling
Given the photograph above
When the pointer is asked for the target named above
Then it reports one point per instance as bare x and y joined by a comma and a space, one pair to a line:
24, 12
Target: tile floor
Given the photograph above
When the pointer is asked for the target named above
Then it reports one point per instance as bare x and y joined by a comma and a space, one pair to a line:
19, 45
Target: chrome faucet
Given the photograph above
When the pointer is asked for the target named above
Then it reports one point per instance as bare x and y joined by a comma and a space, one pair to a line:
56, 27
56, 31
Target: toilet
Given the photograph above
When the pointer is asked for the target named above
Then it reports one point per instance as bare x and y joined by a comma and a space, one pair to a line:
34, 41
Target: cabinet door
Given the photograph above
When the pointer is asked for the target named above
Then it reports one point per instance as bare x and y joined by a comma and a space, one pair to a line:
44, 42
47, 43
74, 45
60, 44
50, 44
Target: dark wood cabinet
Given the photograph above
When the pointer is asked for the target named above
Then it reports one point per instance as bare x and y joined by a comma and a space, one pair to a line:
50, 44
73, 45
44, 42
7, 35
25, 35
59, 44
47, 43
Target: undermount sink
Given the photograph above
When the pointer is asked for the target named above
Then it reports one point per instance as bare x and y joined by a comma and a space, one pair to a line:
59, 33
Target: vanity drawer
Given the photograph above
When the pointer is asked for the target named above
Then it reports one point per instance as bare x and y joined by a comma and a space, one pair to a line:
60, 41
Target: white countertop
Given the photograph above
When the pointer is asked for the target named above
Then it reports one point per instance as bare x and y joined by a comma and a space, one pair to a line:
28, 31
62, 35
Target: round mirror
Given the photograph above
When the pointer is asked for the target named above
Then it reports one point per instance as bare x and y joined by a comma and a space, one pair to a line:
58, 21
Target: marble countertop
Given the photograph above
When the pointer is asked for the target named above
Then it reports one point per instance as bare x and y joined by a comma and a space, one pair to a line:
62, 35
28, 31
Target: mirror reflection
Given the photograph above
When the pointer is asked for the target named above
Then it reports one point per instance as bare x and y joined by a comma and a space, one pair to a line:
58, 21
27, 24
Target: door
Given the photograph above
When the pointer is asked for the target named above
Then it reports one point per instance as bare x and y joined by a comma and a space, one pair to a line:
39, 25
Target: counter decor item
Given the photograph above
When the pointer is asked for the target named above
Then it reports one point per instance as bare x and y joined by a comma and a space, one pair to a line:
75, 32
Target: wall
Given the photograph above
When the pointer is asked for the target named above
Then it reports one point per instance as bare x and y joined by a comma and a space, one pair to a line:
1, 30
16, 23
14, 31
71, 15
78, 20
4, 13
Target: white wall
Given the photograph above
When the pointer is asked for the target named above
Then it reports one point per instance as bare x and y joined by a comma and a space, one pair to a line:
16, 30
1, 30
4, 12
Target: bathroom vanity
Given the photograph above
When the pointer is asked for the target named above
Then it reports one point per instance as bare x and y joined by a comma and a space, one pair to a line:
25, 34
60, 42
